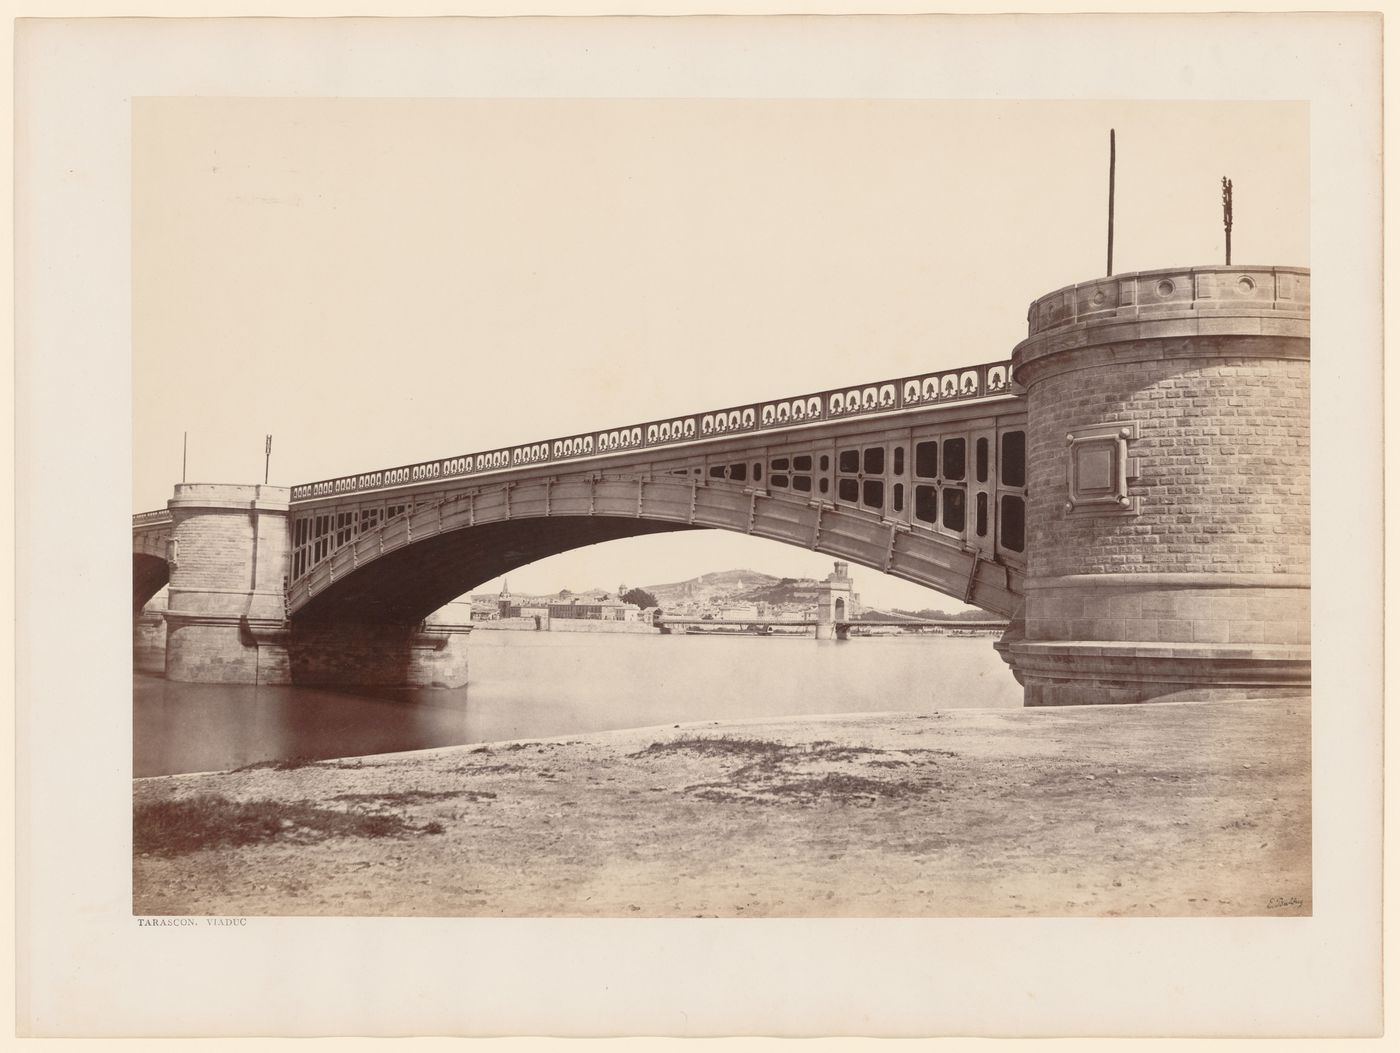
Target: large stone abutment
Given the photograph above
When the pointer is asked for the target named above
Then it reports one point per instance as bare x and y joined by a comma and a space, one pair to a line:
1168, 490
226, 615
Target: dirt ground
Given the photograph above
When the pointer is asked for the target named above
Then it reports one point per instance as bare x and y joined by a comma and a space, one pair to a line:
1155, 810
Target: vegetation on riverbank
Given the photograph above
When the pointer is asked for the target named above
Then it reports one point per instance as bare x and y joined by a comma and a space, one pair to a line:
1148, 810
209, 821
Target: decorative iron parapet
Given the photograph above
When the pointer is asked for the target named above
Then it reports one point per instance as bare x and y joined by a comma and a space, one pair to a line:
889, 396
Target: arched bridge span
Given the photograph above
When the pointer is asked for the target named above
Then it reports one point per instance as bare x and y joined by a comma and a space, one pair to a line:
931, 494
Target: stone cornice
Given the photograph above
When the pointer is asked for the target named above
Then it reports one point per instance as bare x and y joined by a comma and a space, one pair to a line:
1170, 313
198, 497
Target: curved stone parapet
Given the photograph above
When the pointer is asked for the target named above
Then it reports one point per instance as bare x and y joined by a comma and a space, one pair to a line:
1245, 311
1173, 292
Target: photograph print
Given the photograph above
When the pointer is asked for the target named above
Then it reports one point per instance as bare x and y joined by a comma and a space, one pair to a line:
721, 508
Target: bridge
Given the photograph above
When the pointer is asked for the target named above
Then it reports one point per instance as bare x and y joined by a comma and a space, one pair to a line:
922, 478
1055, 489
841, 630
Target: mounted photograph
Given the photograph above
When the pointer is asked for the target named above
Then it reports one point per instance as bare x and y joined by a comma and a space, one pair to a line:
720, 508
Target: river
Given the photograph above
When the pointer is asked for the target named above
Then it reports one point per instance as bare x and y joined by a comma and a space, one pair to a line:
540, 684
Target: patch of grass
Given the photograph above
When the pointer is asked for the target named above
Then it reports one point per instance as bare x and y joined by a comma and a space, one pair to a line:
486, 769
719, 794
832, 786
717, 745
193, 824
840, 786
403, 798
290, 764
771, 771
829, 751
921, 752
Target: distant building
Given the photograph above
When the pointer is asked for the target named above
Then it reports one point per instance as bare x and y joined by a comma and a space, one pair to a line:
598, 608
839, 589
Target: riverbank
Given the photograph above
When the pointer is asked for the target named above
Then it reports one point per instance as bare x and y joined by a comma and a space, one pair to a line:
1157, 810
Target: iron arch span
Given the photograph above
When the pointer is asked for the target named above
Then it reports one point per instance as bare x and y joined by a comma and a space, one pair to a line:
410, 566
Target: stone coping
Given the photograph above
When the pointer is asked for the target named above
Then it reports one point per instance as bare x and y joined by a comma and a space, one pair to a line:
1137, 294
1147, 649
195, 497
1163, 315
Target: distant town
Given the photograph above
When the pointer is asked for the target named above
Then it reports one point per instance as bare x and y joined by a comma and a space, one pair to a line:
726, 597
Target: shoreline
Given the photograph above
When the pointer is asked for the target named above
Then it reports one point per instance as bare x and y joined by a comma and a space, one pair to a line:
713, 726
1167, 809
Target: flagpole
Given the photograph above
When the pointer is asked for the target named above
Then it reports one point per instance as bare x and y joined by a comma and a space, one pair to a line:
1227, 201
1112, 164
267, 461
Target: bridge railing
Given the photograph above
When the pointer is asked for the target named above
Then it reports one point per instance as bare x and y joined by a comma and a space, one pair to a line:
159, 517
886, 396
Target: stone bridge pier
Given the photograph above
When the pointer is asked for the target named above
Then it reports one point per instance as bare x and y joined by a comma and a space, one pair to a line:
1168, 489
226, 616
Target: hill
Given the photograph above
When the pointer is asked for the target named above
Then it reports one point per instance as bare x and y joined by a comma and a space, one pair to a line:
716, 586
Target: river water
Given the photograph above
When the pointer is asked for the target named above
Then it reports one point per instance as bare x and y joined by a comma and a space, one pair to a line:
540, 684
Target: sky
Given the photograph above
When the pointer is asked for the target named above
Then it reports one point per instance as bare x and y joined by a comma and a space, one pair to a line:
375, 282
